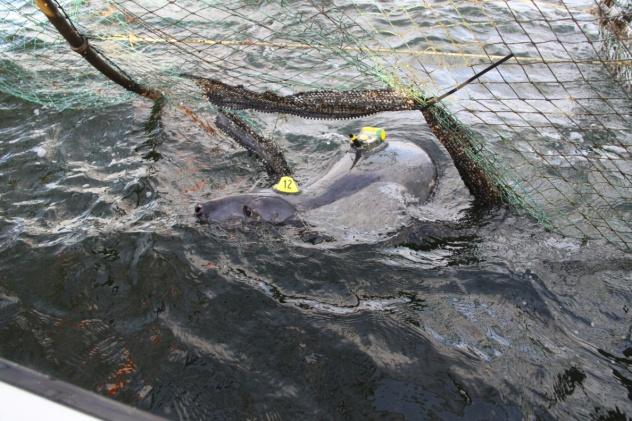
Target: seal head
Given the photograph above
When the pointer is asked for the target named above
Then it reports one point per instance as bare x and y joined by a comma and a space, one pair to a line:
247, 208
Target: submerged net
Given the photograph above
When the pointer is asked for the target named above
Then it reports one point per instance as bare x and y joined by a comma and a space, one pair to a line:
551, 127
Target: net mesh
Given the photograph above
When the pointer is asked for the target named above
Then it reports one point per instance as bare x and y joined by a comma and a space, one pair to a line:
551, 126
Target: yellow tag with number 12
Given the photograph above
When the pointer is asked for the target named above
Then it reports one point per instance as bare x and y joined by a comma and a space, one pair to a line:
287, 185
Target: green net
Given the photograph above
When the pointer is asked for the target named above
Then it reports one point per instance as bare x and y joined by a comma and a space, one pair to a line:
551, 127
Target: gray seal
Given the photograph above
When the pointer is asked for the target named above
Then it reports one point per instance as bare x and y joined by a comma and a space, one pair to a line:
374, 191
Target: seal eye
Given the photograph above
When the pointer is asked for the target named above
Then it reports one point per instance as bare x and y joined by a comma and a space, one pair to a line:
247, 211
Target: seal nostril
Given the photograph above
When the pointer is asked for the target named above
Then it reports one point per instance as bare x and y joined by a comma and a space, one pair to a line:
197, 209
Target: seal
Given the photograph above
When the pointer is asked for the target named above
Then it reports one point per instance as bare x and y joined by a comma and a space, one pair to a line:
371, 195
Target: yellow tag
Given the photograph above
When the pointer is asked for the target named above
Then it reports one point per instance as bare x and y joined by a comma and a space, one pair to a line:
41, 5
287, 185
370, 136
376, 133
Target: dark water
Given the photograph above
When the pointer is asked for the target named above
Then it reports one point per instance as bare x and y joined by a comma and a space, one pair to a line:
107, 281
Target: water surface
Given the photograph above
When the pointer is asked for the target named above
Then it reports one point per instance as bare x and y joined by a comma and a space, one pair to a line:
108, 281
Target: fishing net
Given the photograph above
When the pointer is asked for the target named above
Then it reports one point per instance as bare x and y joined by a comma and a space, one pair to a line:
551, 127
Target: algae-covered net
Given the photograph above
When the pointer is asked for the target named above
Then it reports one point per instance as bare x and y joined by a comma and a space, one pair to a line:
551, 127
